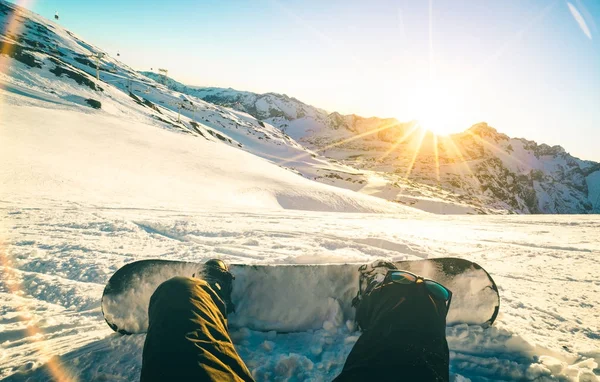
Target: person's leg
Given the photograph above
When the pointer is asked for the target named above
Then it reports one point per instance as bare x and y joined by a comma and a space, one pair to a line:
404, 337
187, 337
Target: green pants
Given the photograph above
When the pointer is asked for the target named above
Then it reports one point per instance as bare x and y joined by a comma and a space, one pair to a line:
187, 336
188, 340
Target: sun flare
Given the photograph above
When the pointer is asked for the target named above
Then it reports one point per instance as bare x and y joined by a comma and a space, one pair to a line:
439, 110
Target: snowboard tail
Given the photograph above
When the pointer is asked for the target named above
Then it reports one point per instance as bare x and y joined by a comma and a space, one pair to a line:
291, 298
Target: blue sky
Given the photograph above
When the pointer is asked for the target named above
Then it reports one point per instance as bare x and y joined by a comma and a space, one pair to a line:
530, 68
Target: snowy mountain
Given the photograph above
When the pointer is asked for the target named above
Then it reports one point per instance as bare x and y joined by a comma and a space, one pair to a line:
480, 165
480, 170
51, 65
260, 106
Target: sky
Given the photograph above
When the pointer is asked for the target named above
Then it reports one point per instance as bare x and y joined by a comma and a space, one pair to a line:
530, 68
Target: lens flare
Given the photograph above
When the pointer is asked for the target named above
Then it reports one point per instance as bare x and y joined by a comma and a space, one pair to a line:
10, 278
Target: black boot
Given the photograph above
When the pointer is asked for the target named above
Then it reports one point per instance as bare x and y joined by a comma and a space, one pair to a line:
216, 273
371, 277
404, 331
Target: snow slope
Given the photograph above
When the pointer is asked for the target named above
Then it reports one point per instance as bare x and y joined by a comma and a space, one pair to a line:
78, 156
46, 62
84, 193
477, 171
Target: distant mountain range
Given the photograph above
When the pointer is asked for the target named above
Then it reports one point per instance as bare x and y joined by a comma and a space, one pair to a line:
80, 125
479, 170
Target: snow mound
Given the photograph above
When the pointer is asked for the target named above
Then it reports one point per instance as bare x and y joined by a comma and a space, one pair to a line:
93, 158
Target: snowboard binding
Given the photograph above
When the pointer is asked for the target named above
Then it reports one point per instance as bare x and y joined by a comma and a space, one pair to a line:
371, 276
216, 273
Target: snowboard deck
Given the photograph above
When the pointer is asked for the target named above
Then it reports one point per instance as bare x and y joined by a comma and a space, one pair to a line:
293, 298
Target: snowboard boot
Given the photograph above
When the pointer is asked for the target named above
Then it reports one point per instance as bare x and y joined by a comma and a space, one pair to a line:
216, 273
371, 276
396, 305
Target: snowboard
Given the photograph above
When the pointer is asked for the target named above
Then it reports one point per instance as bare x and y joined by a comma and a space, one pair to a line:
294, 298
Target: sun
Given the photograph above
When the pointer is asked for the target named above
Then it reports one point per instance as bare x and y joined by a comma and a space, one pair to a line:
439, 110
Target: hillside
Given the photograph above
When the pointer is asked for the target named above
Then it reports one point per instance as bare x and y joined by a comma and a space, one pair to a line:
479, 170
124, 137
52, 64
480, 165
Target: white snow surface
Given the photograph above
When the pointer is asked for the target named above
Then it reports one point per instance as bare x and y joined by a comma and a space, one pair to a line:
91, 157
58, 257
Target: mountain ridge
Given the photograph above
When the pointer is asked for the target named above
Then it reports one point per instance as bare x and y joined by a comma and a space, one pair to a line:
477, 171
481, 128
90, 125
537, 178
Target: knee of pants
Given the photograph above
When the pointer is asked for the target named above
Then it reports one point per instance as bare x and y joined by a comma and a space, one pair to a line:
176, 293
182, 294
181, 284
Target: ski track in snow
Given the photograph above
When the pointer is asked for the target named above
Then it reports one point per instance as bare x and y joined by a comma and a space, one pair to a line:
59, 259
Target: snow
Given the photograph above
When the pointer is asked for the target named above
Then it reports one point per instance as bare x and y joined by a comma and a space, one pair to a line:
83, 193
593, 183
62, 254
492, 173
87, 156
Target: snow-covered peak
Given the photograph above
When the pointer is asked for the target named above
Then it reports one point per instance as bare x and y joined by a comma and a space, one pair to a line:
99, 129
491, 172
261, 106
480, 170
483, 130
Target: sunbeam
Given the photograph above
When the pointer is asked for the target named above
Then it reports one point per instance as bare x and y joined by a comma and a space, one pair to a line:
13, 27
416, 153
431, 59
11, 281
448, 142
436, 157
508, 43
495, 148
385, 126
399, 141
317, 33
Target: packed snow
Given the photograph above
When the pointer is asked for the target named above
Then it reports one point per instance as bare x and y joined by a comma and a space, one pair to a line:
61, 255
